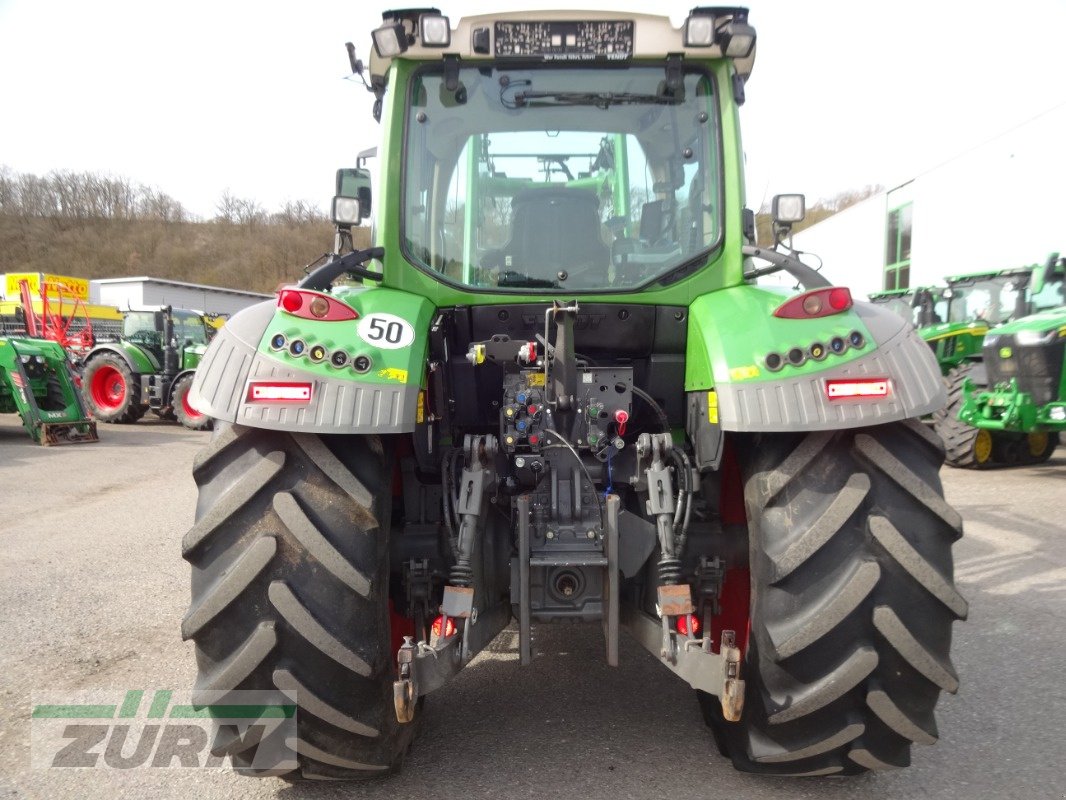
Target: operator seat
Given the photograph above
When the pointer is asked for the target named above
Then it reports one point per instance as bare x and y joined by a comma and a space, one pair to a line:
554, 230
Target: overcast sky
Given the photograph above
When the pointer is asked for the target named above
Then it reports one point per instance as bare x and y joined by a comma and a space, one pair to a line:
204, 96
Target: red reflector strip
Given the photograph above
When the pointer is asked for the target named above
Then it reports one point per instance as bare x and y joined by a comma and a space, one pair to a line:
284, 392
862, 387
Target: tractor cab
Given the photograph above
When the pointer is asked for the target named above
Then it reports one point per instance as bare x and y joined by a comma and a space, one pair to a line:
147, 328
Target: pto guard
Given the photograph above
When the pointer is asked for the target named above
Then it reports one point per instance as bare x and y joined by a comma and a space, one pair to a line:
750, 399
383, 400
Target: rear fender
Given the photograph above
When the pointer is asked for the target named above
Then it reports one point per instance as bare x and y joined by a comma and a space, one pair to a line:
376, 395
732, 384
136, 359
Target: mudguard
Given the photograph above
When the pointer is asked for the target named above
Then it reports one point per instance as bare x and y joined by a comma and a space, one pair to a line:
375, 391
138, 360
734, 385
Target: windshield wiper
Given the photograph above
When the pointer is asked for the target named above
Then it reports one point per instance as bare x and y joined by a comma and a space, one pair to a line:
599, 99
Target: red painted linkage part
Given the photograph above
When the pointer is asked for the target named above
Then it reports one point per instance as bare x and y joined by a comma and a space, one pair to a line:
314, 305
735, 598
816, 303
621, 417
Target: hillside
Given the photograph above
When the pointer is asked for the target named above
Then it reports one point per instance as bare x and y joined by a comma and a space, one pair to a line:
92, 226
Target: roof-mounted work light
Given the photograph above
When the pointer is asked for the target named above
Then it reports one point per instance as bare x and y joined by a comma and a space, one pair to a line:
736, 38
390, 40
726, 27
434, 30
699, 31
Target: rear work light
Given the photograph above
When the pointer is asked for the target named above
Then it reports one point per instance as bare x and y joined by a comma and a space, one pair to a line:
277, 392
857, 387
314, 305
816, 303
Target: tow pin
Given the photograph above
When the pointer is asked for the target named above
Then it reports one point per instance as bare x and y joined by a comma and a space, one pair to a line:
621, 417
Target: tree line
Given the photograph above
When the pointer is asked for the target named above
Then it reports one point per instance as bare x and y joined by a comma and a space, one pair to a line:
69, 195
95, 226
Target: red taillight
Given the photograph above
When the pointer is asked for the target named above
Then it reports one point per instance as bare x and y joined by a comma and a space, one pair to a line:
314, 305
279, 392
856, 387
816, 303
449, 629
683, 624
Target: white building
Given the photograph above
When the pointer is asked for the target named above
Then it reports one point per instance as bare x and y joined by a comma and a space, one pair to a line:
126, 293
996, 206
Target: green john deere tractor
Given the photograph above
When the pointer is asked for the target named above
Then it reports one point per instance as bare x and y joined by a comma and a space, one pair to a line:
922, 307
1025, 406
552, 392
150, 366
977, 303
36, 383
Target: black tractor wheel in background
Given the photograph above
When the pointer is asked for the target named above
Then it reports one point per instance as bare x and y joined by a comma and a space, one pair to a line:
289, 558
185, 413
852, 601
964, 445
1040, 446
111, 390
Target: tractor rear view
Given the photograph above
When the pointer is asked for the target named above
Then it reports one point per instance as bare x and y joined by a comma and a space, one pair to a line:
551, 392
150, 367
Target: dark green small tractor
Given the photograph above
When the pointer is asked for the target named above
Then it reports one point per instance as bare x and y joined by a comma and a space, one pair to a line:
37, 384
150, 367
977, 303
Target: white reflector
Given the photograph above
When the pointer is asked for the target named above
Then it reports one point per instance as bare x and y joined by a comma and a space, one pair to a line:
861, 387
288, 392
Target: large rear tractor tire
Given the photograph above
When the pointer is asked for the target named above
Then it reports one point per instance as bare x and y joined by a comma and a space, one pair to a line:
289, 558
964, 445
185, 413
111, 390
852, 601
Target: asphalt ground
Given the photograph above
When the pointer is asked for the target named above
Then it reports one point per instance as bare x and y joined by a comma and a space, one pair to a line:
93, 588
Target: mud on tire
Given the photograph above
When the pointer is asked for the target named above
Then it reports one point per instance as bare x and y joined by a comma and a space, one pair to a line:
289, 590
852, 601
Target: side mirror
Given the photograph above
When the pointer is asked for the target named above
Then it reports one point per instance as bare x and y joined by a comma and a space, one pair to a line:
1042, 277
353, 184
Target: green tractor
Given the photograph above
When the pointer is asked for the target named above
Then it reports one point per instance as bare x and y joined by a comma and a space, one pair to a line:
977, 303
1025, 406
551, 392
37, 384
922, 307
150, 366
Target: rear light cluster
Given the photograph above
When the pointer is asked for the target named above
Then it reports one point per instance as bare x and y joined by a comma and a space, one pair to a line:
315, 305
816, 303
317, 354
817, 351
